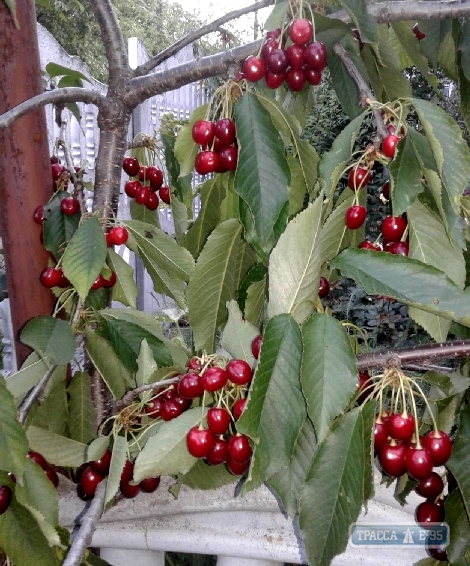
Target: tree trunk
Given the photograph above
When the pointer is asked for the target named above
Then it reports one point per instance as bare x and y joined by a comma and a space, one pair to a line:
25, 186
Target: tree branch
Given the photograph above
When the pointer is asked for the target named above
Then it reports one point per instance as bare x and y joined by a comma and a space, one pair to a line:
415, 354
33, 395
88, 522
69, 94
195, 35
129, 396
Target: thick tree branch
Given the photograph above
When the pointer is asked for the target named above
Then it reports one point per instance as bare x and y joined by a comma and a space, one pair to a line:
64, 95
197, 34
416, 354
33, 395
87, 527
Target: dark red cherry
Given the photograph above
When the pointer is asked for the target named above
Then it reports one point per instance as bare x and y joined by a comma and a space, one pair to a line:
101, 466
295, 56
239, 372
269, 45
358, 177
218, 453
239, 448
203, 132
5, 498
430, 487
277, 61
355, 216
199, 442
131, 166
169, 410
129, 491
313, 77
393, 228
149, 485
225, 131
389, 144
300, 31
323, 287
254, 68
50, 277
380, 433
39, 459
315, 56
428, 512
439, 445
237, 408
218, 420
155, 176
418, 33
295, 79
190, 386
401, 426
213, 378
399, 248
130, 188
228, 158
392, 459
206, 162
38, 214
273, 80
256, 346
152, 407
164, 194
69, 206
151, 202
418, 462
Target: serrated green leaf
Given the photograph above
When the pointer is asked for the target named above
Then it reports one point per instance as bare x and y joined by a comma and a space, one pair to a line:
13, 443
459, 462
334, 235
53, 412
58, 228
296, 189
337, 484
116, 466
294, 267
255, 302
435, 32
102, 355
357, 9
126, 338
56, 70
185, 147
212, 283
464, 49
27, 376
275, 401
162, 249
52, 338
464, 91
141, 213
62, 451
405, 177
146, 364
448, 383
459, 529
288, 482
262, 174
254, 274
82, 413
212, 194
124, 290
204, 477
277, 16
22, 539
329, 372
85, 255
181, 185
238, 334
166, 452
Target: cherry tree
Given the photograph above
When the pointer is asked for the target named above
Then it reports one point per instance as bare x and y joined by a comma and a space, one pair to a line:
273, 389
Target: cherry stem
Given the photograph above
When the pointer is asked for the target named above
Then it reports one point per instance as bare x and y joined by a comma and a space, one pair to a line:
414, 411
428, 406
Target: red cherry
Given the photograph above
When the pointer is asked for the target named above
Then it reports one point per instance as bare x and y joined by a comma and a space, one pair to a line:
234, 467
152, 408
355, 216
143, 174
358, 177
101, 466
89, 481
239, 372
131, 166
98, 282
168, 394
5, 498
295, 56
362, 384
386, 190
237, 408
295, 79
213, 378
164, 194
254, 68
199, 441
430, 487
69, 206
203, 132
439, 445
149, 485
218, 420
155, 176
366, 245
399, 248
418, 33
169, 410
380, 433
428, 512
56, 170
129, 491
39, 459
273, 80
277, 61
50, 277
218, 452
239, 449
54, 159
141, 194
392, 459
313, 77
127, 472
269, 45
393, 228
273, 33
130, 188
438, 553
108, 283
118, 235
38, 214
357, 36
389, 144
401, 426
323, 287
52, 476
315, 56
195, 364
300, 31
228, 158
151, 201
256, 346
418, 462
206, 162
190, 386
225, 131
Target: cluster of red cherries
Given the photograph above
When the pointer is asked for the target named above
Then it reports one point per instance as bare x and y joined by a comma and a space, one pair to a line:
299, 63
218, 143
146, 182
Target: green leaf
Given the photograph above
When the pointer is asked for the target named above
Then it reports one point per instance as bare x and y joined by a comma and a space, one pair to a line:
141, 213
365, 23
212, 194
448, 383
124, 290
13, 443
334, 235
254, 274
329, 371
275, 401
53, 412
333, 162
459, 462
82, 413
435, 32
58, 228
238, 335
459, 529
294, 266
116, 466
52, 338
464, 91
146, 364
27, 376
296, 189
262, 174
103, 357
212, 283
337, 484
56, 70
204, 477
449, 149
182, 185
22, 539
162, 249
126, 338
255, 302
62, 451
405, 177
85, 255
185, 147
406, 280
464, 49
276, 17
166, 452
288, 482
